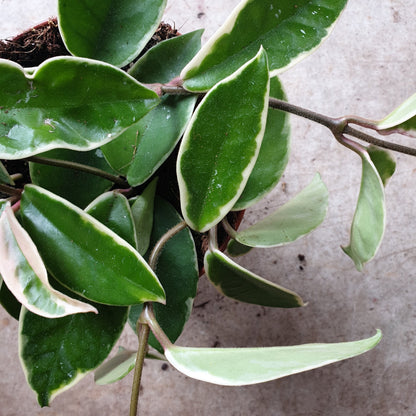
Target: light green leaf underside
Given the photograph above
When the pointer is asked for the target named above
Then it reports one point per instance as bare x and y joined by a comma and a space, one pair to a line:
57, 353
115, 368
273, 155
68, 102
80, 187
235, 282
211, 178
139, 151
291, 221
164, 61
24, 273
368, 224
288, 31
244, 366
4, 176
77, 249
109, 31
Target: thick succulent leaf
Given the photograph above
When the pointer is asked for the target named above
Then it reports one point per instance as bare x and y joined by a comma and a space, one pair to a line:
80, 187
177, 270
142, 212
288, 31
8, 301
234, 248
57, 353
368, 225
235, 282
139, 151
273, 155
383, 161
68, 102
4, 175
24, 273
110, 31
211, 178
401, 120
113, 210
293, 220
84, 255
116, 368
243, 366
165, 61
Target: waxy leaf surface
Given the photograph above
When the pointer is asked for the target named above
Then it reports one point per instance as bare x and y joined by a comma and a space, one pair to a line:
22, 269
243, 366
235, 282
288, 31
80, 188
68, 102
8, 301
106, 30
293, 220
273, 155
84, 255
57, 353
368, 225
177, 270
221, 144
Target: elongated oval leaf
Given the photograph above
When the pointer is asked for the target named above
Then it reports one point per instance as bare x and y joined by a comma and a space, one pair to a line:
226, 124
110, 31
244, 366
291, 221
273, 155
84, 255
368, 225
57, 353
24, 273
288, 31
235, 282
68, 102
113, 210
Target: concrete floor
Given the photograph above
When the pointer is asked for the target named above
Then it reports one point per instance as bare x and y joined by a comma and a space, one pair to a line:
365, 68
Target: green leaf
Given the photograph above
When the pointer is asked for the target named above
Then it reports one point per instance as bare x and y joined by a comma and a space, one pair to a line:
57, 353
383, 162
141, 149
291, 221
243, 366
177, 270
116, 368
235, 282
113, 210
8, 301
84, 255
368, 225
80, 187
234, 248
273, 155
110, 31
165, 60
288, 32
4, 175
226, 124
25, 275
142, 212
68, 102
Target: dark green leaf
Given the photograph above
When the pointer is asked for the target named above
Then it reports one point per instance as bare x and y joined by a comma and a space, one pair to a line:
4, 176
8, 301
234, 248
383, 161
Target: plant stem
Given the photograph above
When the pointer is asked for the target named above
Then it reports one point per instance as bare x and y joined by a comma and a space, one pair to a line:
9, 190
80, 167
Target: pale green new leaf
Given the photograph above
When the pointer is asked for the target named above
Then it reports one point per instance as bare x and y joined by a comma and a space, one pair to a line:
287, 30
235, 282
244, 366
68, 102
368, 225
24, 273
293, 220
106, 30
84, 255
226, 124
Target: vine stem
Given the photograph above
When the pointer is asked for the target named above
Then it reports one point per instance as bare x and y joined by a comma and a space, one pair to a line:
147, 320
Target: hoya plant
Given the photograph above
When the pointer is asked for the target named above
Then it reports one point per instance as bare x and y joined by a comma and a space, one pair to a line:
139, 169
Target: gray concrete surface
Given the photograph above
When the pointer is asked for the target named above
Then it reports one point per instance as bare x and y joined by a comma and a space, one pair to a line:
365, 68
